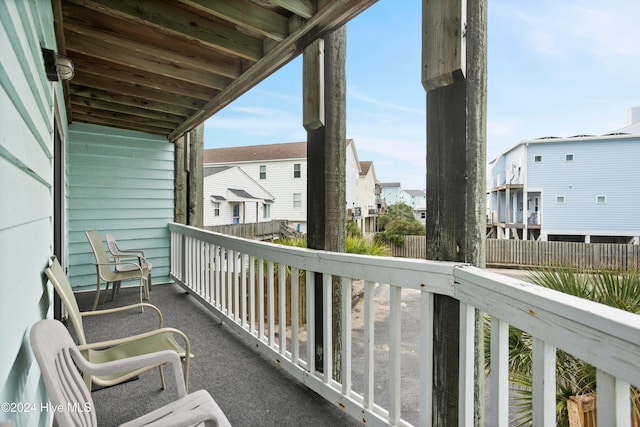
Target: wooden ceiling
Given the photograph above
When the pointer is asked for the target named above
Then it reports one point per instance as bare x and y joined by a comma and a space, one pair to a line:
164, 66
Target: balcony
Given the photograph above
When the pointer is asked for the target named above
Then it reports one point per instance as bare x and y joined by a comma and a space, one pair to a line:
260, 377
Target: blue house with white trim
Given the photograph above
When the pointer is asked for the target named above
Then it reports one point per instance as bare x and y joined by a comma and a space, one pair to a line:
582, 188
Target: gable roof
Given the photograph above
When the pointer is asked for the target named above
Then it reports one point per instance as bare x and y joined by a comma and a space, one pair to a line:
364, 167
240, 179
291, 150
415, 193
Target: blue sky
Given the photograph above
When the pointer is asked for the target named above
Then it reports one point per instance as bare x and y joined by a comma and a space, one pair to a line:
555, 68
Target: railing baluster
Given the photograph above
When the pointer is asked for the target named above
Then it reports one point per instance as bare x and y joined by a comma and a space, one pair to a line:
282, 307
252, 294
236, 285
212, 266
544, 384
395, 353
243, 287
218, 279
426, 354
223, 278
327, 340
311, 316
230, 281
499, 377
369, 344
260, 299
295, 316
270, 305
466, 371
346, 336
613, 401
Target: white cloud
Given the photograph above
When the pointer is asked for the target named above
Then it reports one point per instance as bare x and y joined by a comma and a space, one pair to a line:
356, 94
256, 121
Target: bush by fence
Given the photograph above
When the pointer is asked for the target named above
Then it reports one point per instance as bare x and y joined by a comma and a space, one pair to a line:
529, 253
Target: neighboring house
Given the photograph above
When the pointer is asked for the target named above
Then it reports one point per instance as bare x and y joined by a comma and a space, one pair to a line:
413, 198
233, 197
369, 197
281, 170
390, 192
420, 211
582, 188
417, 199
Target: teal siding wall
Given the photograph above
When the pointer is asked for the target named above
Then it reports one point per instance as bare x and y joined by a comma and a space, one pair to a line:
119, 182
26, 207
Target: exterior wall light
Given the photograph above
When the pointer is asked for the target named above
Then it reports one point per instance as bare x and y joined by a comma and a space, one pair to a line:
58, 67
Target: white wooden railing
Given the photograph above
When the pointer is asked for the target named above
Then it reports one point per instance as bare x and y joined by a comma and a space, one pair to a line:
221, 271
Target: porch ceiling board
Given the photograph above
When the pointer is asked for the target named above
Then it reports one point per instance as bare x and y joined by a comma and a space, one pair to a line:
163, 67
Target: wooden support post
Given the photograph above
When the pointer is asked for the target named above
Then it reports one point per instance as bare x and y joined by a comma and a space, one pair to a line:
188, 178
456, 156
325, 85
195, 177
180, 180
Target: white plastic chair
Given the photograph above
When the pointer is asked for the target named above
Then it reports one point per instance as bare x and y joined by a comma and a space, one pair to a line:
104, 273
59, 361
130, 254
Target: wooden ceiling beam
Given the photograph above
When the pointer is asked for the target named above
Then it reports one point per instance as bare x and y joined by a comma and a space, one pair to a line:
141, 61
110, 85
303, 8
247, 15
182, 23
121, 124
133, 101
122, 73
114, 115
139, 39
99, 104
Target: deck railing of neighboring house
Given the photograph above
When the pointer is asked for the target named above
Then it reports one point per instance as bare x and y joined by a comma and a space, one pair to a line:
222, 271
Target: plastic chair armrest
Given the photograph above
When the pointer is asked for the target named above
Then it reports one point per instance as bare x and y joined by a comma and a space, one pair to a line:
125, 308
117, 341
131, 363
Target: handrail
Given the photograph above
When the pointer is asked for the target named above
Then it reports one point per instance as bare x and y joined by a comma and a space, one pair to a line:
222, 272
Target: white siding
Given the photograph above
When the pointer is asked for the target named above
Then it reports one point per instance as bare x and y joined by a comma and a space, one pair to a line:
120, 182
578, 169
352, 173
282, 185
606, 166
26, 211
366, 191
251, 211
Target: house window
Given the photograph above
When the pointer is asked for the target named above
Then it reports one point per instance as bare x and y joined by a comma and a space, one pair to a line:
601, 200
559, 200
236, 213
537, 159
296, 170
297, 200
263, 171
216, 208
568, 157
266, 210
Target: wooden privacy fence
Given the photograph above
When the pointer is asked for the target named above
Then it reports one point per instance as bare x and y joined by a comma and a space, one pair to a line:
257, 231
568, 254
529, 253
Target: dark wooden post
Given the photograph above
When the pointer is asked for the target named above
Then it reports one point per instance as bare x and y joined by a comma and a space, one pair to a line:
325, 85
180, 180
195, 177
454, 75
188, 177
